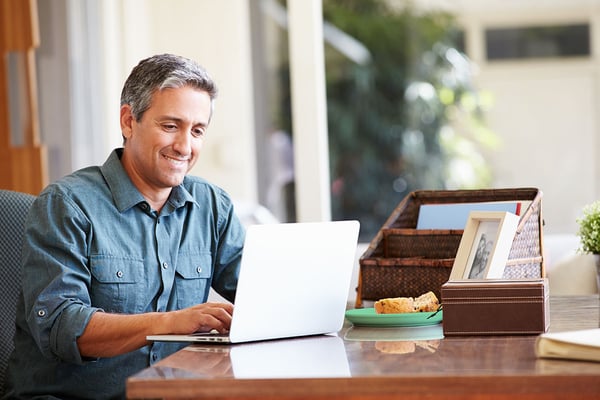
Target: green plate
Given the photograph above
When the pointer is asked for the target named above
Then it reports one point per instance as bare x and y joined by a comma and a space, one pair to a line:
368, 317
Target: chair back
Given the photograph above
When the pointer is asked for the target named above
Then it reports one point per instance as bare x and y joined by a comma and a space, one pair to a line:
14, 207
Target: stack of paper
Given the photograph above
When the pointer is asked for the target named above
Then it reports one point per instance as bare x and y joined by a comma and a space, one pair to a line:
574, 345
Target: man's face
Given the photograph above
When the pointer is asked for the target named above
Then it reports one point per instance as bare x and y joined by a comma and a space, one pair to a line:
164, 145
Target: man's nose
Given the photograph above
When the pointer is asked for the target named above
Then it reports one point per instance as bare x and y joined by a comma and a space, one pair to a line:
182, 143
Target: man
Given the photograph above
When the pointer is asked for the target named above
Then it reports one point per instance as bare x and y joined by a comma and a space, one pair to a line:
131, 248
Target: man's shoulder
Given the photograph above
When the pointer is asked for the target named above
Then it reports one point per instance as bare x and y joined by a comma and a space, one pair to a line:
87, 181
197, 185
204, 192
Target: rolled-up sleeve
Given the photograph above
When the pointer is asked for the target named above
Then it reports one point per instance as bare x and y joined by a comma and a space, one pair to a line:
55, 276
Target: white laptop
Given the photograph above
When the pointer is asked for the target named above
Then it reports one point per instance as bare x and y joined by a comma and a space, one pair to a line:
294, 281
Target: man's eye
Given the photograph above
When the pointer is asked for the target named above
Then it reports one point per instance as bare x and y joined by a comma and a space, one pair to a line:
197, 132
169, 127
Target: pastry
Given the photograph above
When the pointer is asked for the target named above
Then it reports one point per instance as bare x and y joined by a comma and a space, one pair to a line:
395, 305
427, 302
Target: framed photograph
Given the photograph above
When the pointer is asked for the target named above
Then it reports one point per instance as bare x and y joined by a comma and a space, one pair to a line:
485, 245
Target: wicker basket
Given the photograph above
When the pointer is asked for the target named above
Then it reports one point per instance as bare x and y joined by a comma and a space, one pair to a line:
404, 261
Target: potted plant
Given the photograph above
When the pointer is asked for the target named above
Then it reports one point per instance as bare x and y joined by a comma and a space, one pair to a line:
589, 234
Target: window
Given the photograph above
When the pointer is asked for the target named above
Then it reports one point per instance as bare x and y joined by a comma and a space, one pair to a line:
537, 42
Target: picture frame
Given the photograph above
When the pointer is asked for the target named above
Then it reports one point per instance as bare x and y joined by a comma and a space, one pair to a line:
485, 245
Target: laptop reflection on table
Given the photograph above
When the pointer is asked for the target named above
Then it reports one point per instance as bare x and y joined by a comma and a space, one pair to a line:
321, 356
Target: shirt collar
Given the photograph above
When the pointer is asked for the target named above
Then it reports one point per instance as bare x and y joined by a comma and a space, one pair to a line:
178, 198
125, 194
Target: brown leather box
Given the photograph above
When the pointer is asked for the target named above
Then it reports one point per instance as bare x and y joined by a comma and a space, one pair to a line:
495, 307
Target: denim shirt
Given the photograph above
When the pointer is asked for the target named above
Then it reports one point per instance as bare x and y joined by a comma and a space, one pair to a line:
93, 243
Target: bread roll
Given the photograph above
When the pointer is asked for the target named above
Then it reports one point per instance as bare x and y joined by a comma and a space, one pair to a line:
396, 305
427, 302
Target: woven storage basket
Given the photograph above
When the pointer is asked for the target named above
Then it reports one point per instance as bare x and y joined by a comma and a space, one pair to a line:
402, 261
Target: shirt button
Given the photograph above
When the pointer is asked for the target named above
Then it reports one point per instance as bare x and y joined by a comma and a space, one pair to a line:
199, 269
165, 265
41, 313
119, 274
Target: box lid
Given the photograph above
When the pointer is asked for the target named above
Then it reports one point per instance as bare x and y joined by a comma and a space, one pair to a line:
494, 288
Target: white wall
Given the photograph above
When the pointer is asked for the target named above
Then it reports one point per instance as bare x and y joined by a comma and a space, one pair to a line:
544, 111
216, 34
546, 121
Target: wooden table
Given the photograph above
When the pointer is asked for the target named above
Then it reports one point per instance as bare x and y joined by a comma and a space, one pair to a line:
369, 364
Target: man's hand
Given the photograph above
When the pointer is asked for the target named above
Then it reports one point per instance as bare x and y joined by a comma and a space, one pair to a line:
202, 318
108, 335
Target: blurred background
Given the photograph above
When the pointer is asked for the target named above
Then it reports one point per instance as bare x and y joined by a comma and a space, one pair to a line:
337, 109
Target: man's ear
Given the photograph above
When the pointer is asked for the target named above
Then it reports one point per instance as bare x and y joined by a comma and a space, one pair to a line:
126, 119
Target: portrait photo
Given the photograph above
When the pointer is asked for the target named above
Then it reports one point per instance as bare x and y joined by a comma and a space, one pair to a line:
485, 245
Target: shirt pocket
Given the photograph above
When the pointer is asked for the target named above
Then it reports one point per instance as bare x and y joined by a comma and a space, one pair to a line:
119, 284
192, 279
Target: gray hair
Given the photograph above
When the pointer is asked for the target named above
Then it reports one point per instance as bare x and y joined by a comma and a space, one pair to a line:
161, 72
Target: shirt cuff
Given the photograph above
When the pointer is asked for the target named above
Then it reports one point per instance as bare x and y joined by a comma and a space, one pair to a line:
67, 329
